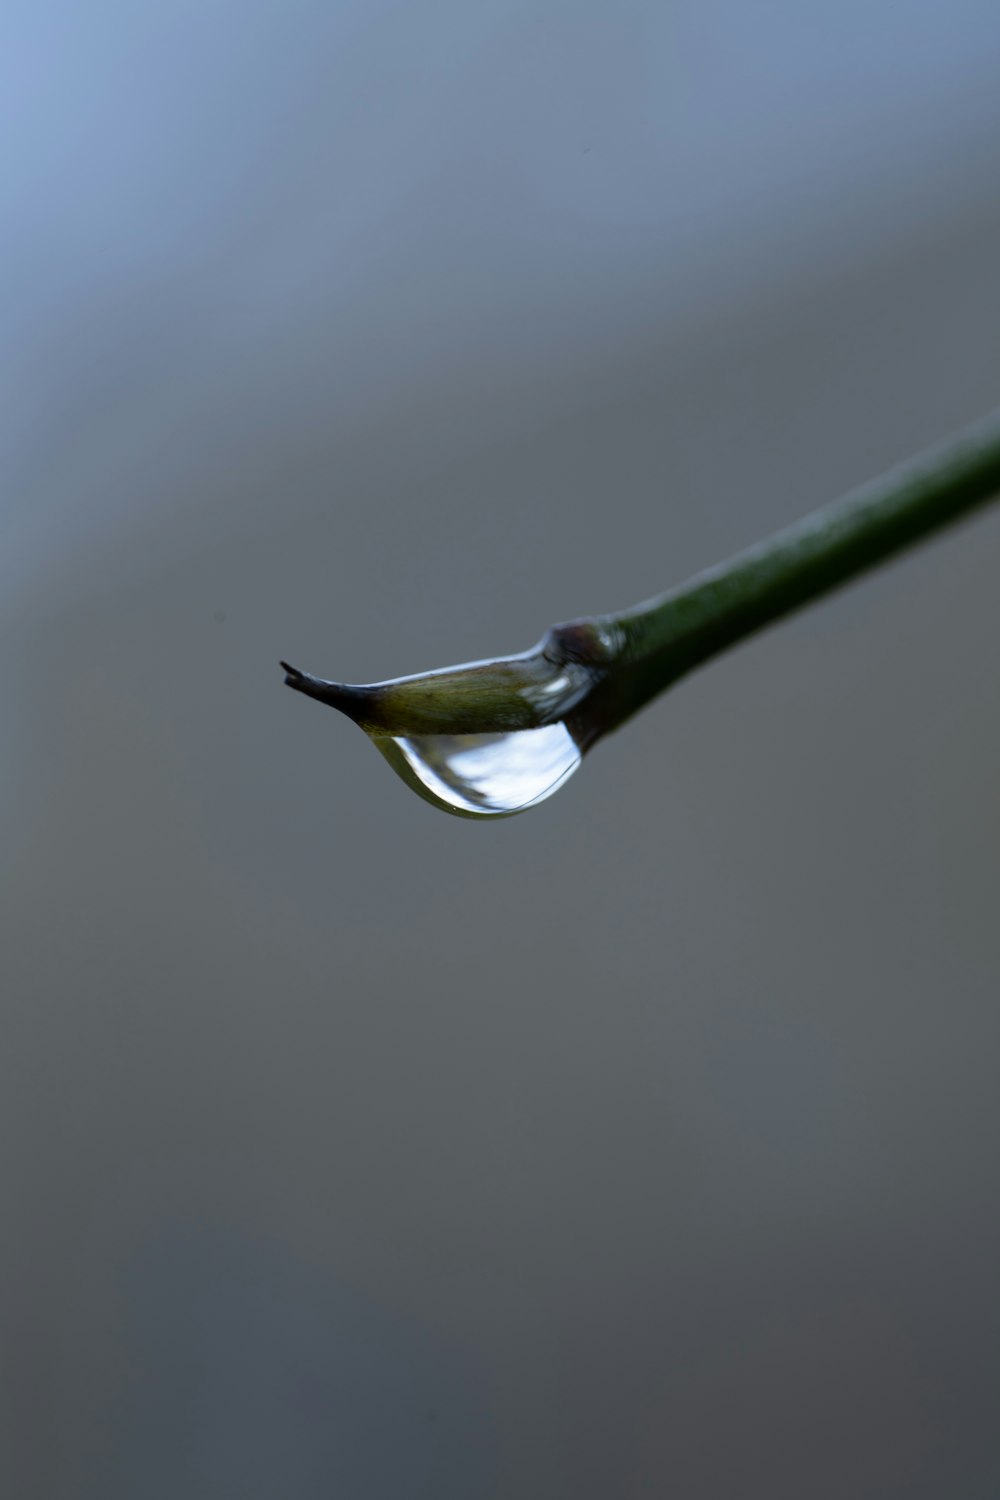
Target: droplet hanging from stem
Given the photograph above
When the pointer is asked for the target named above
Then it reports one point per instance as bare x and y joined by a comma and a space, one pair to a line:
492, 738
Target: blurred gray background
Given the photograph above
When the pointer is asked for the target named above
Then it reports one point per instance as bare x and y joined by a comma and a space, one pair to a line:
644, 1145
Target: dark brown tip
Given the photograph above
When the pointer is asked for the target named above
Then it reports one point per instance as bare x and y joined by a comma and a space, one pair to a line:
349, 699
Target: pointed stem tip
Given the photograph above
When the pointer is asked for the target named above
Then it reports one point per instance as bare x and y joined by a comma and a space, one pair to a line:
348, 698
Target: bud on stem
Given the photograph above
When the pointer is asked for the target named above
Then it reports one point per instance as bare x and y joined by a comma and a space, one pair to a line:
592, 674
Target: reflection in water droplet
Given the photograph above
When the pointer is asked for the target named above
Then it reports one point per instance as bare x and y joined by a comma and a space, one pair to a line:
484, 775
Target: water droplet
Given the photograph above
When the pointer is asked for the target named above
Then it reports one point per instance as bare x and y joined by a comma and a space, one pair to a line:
484, 775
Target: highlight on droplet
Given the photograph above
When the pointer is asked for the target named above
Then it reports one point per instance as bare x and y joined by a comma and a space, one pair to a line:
484, 775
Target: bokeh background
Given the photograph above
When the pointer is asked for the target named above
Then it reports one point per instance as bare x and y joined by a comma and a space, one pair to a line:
647, 1144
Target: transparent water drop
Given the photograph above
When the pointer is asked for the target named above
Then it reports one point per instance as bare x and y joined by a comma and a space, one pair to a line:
484, 775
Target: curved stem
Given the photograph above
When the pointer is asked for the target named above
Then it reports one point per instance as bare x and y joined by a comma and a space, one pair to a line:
667, 636
595, 673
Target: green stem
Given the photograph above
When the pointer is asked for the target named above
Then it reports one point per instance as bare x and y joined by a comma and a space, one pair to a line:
595, 673
660, 640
